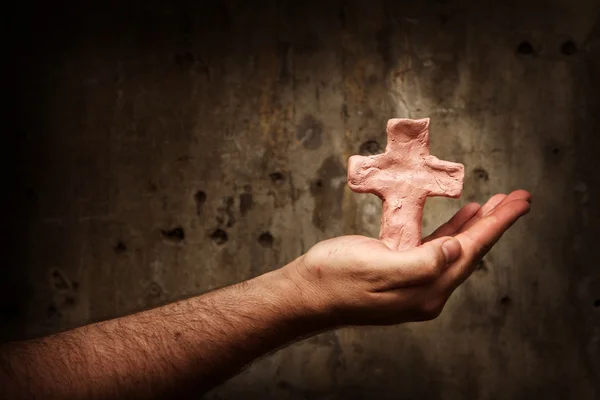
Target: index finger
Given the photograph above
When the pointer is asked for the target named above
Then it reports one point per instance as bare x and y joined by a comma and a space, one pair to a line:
497, 201
477, 240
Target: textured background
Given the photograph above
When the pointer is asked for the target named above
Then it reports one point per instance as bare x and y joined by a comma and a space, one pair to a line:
160, 149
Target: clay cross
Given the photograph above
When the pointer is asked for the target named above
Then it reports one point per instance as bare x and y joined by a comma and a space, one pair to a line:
403, 177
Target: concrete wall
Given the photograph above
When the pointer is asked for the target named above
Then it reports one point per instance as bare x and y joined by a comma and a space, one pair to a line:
160, 150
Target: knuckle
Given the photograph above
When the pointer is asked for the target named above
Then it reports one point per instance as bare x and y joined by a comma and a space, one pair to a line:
477, 249
432, 268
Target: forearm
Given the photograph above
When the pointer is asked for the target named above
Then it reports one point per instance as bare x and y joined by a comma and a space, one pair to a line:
188, 346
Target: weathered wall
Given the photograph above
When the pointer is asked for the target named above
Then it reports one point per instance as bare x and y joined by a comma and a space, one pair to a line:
161, 150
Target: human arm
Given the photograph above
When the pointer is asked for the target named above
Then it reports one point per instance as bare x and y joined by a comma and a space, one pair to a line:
167, 352
193, 345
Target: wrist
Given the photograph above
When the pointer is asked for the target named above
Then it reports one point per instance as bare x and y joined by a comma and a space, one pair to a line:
296, 302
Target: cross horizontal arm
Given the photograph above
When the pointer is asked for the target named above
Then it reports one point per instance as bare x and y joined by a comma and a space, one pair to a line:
363, 174
448, 177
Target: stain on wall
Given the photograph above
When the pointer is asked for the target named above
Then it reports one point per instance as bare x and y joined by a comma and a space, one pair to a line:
158, 150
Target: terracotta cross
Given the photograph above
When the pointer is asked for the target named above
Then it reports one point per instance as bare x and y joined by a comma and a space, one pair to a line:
403, 177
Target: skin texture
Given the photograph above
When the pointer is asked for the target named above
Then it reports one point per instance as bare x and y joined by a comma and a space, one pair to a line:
183, 349
403, 177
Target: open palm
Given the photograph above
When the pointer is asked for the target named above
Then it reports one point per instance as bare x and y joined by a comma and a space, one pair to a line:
359, 280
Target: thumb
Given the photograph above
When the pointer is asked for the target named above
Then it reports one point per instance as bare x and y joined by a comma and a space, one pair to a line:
424, 263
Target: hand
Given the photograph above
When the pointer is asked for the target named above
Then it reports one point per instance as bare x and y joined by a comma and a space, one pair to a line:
356, 280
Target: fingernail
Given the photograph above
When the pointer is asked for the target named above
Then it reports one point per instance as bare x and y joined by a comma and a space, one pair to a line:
451, 249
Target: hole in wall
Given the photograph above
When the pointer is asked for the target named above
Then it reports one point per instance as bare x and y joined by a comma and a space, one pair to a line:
219, 236
200, 198
277, 178
176, 234
525, 48
369, 147
568, 48
481, 174
155, 290
59, 281
265, 239
505, 301
120, 247
597, 303
53, 311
